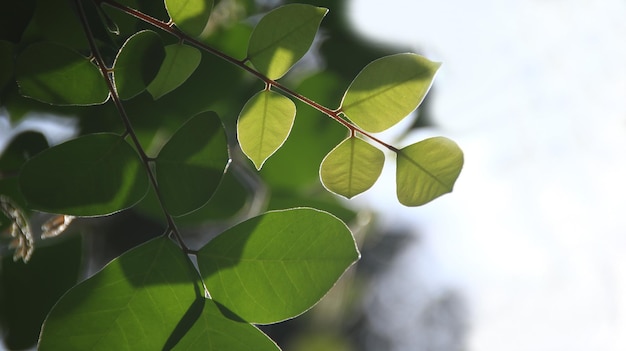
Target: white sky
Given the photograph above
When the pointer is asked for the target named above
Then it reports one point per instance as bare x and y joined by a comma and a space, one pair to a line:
534, 91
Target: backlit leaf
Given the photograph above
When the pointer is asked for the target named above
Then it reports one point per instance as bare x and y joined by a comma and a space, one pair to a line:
191, 165
427, 170
215, 332
95, 174
191, 16
64, 77
134, 303
264, 125
278, 265
180, 62
352, 167
137, 63
282, 37
387, 90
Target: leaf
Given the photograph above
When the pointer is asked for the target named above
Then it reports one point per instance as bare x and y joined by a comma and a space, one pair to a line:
277, 265
215, 332
180, 62
137, 63
191, 165
264, 125
352, 167
282, 37
24, 306
134, 303
387, 90
427, 170
63, 78
92, 175
58, 22
191, 16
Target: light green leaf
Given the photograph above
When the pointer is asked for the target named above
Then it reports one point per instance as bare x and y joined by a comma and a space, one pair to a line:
92, 175
352, 167
278, 265
264, 125
137, 63
282, 37
191, 165
427, 170
180, 62
134, 303
64, 77
215, 332
191, 16
387, 90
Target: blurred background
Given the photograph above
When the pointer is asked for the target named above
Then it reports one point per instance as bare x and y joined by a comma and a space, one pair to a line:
525, 254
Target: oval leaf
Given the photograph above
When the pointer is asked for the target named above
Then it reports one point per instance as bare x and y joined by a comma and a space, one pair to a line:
352, 167
137, 63
215, 332
64, 77
387, 90
134, 303
278, 265
191, 16
282, 37
191, 165
427, 170
92, 175
180, 62
264, 125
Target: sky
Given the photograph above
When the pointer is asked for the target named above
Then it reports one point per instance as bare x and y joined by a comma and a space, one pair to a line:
534, 234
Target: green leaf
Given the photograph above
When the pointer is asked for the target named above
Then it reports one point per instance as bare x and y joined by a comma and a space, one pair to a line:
427, 170
191, 16
92, 175
134, 303
180, 62
64, 77
264, 125
352, 167
53, 269
215, 332
137, 63
387, 90
278, 265
191, 165
57, 21
282, 37
6, 57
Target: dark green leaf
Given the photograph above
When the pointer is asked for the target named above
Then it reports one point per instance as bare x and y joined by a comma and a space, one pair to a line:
134, 303
180, 62
191, 165
282, 37
191, 16
215, 332
264, 125
57, 21
53, 269
278, 265
64, 78
96, 174
387, 90
427, 170
352, 167
137, 63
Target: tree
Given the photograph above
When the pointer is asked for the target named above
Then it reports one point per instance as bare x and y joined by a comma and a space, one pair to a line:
170, 123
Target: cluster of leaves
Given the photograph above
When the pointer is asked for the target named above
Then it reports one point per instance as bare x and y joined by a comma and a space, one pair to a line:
164, 148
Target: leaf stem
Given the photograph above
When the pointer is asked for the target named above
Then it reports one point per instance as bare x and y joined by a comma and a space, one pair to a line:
106, 74
167, 27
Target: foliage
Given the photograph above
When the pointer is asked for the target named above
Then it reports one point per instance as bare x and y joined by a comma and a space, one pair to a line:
157, 88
